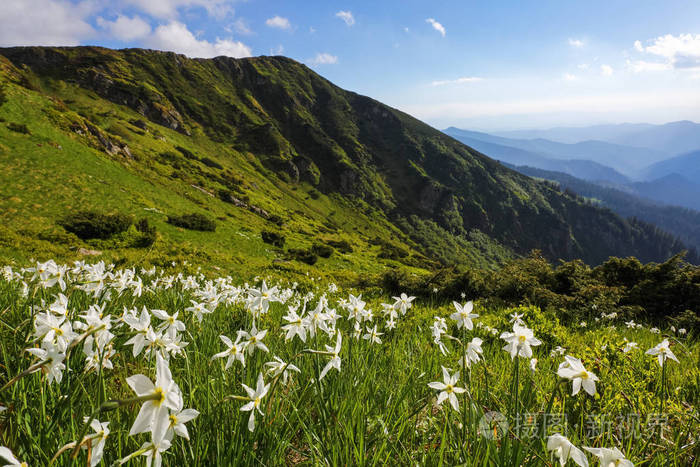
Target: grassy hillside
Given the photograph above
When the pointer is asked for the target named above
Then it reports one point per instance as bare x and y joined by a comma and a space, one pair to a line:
264, 144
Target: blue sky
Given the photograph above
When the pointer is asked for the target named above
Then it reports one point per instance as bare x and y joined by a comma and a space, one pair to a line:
489, 65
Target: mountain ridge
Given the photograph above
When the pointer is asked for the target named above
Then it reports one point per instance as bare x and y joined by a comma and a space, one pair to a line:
294, 129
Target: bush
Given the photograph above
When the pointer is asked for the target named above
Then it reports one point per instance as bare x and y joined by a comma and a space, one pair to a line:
324, 251
3, 96
18, 128
305, 256
211, 163
92, 224
275, 219
148, 232
273, 238
341, 245
193, 221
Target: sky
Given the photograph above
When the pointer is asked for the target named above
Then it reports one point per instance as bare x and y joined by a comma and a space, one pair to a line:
484, 64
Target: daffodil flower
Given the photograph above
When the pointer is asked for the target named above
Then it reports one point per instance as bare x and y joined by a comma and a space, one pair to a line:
610, 457
234, 351
279, 367
448, 389
6, 454
372, 335
159, 397
564, 450
463, 316
255, 397
573, 369
662, 351
177, 420
520, 341
334, 352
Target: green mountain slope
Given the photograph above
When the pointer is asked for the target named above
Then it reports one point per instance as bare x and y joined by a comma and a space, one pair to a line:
267, 144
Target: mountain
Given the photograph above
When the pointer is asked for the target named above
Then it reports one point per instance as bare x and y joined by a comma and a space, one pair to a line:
587, 170
670, 189
624, 159
687, 165
670, 138
679, 221
270, 152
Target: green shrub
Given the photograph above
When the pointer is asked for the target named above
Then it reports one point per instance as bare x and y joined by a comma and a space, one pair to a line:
324, 251
273, 238
391, 251
342, 246
211, 163
305, 256
193, 221
275, 219
18, 128
187, 153
92, 224
3, 96
148, 232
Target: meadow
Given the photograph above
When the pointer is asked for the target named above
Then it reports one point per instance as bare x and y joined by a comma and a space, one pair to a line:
108, 366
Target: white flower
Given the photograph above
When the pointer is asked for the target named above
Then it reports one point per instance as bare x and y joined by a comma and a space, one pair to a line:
153, 454
682, 331
663, 351
533, 365
177, 420
447, 388
654, 330
629, 346
573, 369
6, 454
54, 362
279, 367
372, 335
253, 340
630, 324
582, 324
171, 324
564, 450
610, 457
517, 318
141, 326
520, 341
234, 351
296, 327
335, 357
98, 439
255, 397
403, 303
472, 354
558, 350
464, 315
153, 414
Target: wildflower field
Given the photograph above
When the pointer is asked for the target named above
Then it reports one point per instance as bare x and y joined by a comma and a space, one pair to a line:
108, 366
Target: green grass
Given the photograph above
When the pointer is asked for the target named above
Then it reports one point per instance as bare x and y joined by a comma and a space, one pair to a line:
377, 410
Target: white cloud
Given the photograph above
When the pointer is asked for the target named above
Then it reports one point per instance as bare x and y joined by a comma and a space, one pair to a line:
346, 16
583, 66
641, 66
682, 51
278, 22
240, 27
44, 22
569, 77
175, 37
323, 59
124, 28
466, 79
169, 9
437, 26
279, 50
578, 43
606, 70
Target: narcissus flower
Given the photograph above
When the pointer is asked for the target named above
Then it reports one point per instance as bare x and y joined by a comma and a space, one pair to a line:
610, 457
564, 450
335, 357
255, 397
166, 395
464, 315
662, 351
573, 369
520, 341
448, 389
234, 351
6, 454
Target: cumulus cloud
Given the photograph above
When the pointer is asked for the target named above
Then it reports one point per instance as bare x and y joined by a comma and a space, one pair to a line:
641, 66
463, 80
578, 43
175, 37
346, 16
44, 22
124, 28
437, 26
169, 9
278, 22
606, 70
682, 51
323, 59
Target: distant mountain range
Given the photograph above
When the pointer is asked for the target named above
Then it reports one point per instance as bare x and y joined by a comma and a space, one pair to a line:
680, 221
671, 138
647, 172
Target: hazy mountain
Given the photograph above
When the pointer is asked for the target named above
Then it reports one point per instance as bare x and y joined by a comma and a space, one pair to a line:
625, 159
264, 142
670, 189
670, 138
686, 165
680, 221
587, 170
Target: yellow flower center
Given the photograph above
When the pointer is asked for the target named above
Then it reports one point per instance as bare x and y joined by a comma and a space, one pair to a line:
448, 388
257, 401
161, 397
173, 420
59, 331
521, 339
